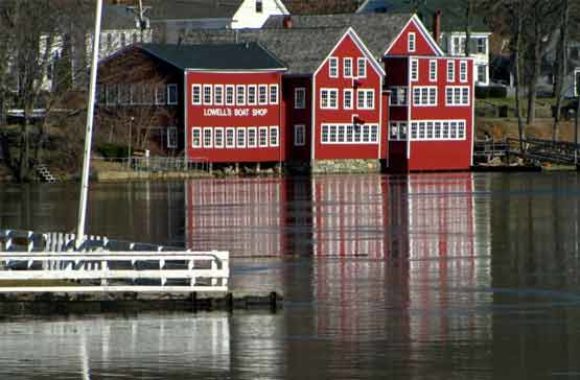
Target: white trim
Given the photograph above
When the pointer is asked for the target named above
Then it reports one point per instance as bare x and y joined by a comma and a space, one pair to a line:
215, 140
333, 68
255, 88
414, 74
359, 65
424, 32
344, 66
215, 92
461, 102
411, 42
200, 144
233, 88
242, 97
422, 91
277, 142
265, 144
351, 92
255, 132
200, 101
433, 78
233, 132
365, 92
450, 72
463, 78
313, 118
276, 91
342, 129
265, 87
240, 132
329, 91
429, 130
203, 95
303, 104
203, 136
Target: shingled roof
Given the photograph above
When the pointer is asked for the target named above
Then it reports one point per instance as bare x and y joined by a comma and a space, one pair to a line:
312, 38
230, 57
453, 12
192, 9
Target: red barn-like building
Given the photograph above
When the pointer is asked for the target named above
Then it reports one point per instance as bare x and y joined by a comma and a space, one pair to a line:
431, 104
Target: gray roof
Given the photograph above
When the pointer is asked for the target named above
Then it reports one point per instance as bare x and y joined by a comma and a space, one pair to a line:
236, 57
191, 9
453, 14
118, 17
304, 47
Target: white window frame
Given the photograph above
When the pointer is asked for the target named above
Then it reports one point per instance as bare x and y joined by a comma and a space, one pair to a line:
274, 94
230, 95
240, 95
329, 105
439, 130
218, 95
433, 70
350, 97
199, 95
450, 71
455, 96
230, 131
396, 99
463, 71
349, 134
263, 133
299, 135
424, 98
274, 138
299, 103
172, 89
412, 42
240, 137
366, 95
252, 131
361, 67
263, 94
347, 68
207, 132
216, 141
199, 143
414, 70
333, 67
252, 98
205, 95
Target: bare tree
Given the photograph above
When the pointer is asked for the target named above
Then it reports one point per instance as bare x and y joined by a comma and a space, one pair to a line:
561, 65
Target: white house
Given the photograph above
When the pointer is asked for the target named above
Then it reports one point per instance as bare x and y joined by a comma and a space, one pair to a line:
453, 42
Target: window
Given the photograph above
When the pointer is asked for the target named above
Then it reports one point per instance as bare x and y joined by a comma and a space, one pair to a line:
450, 71
347, 67
218, 138
263, 136
457, 96
196, 137
207, 94
414, 70
463, 71
361, 66
259, 6
299, 98
263, 94
172, 137
333, 67
196, 94
230, 95
438, 130
160, 95
218, 93
252, 137
324, 136
433, 71
425, 96
111, 95
411, 42
349, 133
241, 138
399, 96
207, 137
273, 136
241, 95
481, 46
347, 99
230, 142
299, 135
329, 98
273, 94
365, 99
482, 73
252, 95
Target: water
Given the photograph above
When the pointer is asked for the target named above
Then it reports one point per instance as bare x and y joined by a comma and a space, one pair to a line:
428, 276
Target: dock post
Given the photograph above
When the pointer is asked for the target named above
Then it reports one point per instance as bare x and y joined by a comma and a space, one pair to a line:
194, 302
230, 302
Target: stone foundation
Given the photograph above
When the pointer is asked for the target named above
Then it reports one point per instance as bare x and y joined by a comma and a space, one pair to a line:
346, 166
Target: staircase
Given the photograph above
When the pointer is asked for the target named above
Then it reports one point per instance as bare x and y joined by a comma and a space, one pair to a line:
44, 174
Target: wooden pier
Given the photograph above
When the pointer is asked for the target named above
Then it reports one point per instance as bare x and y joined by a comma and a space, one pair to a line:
41, 273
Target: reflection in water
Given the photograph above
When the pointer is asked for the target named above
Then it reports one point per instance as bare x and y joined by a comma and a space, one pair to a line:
447, 275
141, 346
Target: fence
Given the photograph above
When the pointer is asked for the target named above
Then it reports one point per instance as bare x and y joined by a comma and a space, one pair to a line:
160, 164
103, 265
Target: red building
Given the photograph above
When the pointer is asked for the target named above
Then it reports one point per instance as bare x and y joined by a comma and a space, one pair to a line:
431, 104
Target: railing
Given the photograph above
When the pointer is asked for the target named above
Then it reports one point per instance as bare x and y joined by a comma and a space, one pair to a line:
160, 164
558, 152
104, 265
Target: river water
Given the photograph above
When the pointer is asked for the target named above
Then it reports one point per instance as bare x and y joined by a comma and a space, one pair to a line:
449, 276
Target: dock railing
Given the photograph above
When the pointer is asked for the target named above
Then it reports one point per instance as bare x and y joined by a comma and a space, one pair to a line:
103, 265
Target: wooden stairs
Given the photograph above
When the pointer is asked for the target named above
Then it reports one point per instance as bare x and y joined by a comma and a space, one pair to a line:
44, 173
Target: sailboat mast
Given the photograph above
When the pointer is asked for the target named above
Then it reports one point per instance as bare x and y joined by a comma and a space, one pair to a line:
82, 212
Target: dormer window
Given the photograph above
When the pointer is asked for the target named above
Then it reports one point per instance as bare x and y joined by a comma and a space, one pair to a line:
259, 6
412, 42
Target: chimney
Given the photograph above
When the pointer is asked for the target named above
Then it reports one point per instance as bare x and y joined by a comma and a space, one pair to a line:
287, 22
437, 26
